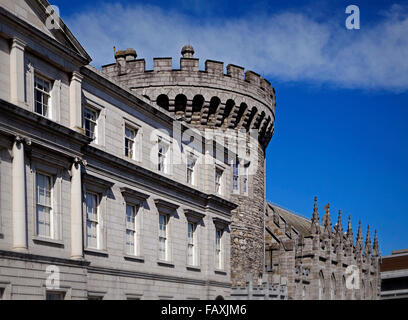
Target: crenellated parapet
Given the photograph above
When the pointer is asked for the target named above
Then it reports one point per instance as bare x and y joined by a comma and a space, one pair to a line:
208, 98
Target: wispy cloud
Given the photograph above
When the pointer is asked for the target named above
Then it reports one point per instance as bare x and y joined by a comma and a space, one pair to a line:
287, 46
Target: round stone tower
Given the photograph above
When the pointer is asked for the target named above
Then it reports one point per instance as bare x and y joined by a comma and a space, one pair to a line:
209, 99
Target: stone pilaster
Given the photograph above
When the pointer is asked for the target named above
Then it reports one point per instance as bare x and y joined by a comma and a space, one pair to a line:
75, 101
17, 72
76, 211
19, 197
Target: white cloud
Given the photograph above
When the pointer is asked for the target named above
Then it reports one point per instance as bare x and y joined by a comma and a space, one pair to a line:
287, 46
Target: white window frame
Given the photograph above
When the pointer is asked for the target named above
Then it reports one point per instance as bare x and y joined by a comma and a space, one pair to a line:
191, 169
133, 230
93, 221
50, 206
95, 122
218, 182
37, 79
164, 234
219, 252
164, 145
133, 141
191, 243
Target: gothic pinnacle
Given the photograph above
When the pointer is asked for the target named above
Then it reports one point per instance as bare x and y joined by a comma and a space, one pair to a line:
339, 224
350, 231
315, 228
359, 240
326, 219
367, 249
315, 217
375, 245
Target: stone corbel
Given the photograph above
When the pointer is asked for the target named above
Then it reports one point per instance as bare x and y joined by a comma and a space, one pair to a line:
77, 161
19, 139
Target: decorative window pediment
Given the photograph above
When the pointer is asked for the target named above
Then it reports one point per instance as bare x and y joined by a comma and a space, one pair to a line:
193, 216
166, 206
133, 196
221, 223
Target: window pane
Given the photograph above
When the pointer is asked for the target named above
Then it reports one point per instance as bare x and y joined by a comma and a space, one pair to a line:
92, 220
41, 96
55, 296
163, 220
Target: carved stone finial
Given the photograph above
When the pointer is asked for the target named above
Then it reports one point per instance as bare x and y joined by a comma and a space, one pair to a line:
128, 54
367, 249
359, 240
187, 51
339, 225
315, 229
376, 251
350, 231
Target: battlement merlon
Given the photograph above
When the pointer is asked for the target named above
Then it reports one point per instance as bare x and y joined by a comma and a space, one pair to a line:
127, 64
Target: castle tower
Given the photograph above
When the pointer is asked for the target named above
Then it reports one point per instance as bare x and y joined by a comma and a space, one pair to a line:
237, 103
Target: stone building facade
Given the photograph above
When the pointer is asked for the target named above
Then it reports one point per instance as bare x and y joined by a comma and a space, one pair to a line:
127, 183
318, 260
120, 195
227, 105
394, 275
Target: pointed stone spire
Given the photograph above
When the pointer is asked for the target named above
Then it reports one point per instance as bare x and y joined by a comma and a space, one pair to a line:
326, 220
315, 228
376, 251
367, 249
339, 225
359, 241
350, 231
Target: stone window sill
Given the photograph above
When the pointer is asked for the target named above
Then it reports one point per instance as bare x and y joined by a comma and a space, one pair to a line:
220, 272
194, 268
137, 162
96, 252
168, 264
134, 258
48, 241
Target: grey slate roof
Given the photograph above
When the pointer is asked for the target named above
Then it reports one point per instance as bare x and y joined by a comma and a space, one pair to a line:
296, 221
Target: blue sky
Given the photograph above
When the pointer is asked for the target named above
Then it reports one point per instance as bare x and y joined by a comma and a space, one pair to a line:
342, 96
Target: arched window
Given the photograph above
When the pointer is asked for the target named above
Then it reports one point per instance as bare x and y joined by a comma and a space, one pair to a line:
304, 293
321, 285
343, 288
332, 287
362, 291
219, 298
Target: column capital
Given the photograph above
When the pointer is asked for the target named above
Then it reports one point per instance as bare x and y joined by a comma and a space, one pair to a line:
18, 43
80, 161
21, 139
77, 76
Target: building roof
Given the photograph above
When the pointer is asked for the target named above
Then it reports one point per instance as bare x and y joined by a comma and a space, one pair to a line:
296, 221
